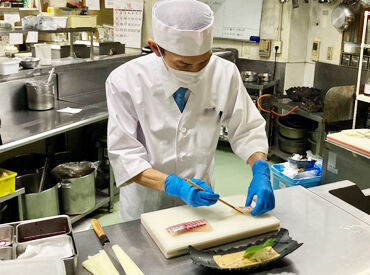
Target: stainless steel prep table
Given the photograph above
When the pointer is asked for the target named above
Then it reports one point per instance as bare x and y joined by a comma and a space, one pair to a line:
335, 242
21, 127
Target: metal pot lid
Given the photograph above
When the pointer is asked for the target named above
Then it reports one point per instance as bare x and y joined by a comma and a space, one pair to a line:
72, 170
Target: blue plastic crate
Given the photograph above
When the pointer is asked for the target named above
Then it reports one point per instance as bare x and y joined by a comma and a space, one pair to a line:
282, 181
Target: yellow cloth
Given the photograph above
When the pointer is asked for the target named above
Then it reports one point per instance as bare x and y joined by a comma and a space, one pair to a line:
100, 263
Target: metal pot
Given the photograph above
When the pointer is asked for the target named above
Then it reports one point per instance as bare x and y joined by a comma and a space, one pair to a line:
342, 17
30, 62
293, 146
40, 96
26, 164
249, 76
39, 205
78, 193
294, 126
265, 77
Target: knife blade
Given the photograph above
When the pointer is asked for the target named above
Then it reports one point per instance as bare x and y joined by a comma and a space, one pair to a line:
105, 242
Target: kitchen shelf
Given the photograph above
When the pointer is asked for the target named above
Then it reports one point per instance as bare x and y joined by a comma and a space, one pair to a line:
274, 150
101, 199
363, 98
316, 116
68, 30
17, 193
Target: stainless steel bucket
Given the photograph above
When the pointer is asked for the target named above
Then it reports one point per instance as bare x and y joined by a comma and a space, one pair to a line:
78, 191
39, 205
40, 96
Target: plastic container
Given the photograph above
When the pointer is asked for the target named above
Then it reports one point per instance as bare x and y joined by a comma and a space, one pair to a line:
281, 181
9, 65
7, 184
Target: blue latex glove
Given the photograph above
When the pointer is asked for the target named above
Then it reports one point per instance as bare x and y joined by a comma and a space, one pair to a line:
176, 186
261, 187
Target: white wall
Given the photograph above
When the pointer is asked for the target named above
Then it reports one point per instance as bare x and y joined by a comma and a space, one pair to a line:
299, 29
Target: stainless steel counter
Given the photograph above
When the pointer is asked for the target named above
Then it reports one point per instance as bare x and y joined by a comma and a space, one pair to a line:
334, 241
21, 127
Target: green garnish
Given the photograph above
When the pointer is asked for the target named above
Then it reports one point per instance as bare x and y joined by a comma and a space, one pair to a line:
250, 251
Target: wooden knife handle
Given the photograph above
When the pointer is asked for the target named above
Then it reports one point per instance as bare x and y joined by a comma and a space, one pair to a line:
99, 231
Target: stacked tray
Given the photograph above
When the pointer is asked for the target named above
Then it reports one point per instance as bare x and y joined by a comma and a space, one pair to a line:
57, 230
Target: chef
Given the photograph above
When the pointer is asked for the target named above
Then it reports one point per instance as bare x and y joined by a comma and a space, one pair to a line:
165, 114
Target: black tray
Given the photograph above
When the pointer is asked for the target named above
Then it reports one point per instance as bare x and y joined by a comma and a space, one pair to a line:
284, 245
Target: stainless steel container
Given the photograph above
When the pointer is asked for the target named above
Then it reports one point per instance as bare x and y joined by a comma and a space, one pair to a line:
290, 132
249, 76
40, 96
265, 77
43, 228
30, 62
61, 239
6, 253
6, 235
39, 205
294, 126
78, 194
78, 187
47, 227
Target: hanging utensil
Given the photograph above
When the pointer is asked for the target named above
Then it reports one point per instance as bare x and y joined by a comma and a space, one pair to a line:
43, 176
51, 75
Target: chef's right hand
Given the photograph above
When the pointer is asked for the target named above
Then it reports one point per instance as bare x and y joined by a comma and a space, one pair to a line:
176, 186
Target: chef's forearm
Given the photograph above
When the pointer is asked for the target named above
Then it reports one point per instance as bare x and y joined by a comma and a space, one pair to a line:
151, 178
256, 156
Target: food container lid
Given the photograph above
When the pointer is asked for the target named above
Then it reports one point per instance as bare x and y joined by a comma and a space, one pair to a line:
9, 61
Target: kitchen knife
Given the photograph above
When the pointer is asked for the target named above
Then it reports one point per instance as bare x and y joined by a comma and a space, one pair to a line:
107, 245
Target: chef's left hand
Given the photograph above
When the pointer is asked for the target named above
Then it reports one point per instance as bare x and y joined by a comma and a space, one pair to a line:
261, 186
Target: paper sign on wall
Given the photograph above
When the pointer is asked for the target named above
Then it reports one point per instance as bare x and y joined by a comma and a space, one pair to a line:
32, 37
93, 4
128, 21
15, 38
12, 17
109, 4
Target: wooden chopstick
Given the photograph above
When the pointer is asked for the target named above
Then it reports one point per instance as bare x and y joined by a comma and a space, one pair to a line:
220, 200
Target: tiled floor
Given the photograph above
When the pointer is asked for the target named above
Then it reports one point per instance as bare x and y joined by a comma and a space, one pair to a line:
232, 176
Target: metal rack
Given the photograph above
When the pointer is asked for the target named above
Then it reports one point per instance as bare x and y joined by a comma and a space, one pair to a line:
64, 30
361, 97
17, 194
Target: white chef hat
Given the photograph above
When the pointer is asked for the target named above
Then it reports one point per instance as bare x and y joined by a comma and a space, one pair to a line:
183, 27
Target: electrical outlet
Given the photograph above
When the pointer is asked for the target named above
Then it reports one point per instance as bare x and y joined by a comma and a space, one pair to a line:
277, 43
329, 55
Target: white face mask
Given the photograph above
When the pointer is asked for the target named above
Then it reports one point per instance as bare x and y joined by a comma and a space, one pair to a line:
184, 79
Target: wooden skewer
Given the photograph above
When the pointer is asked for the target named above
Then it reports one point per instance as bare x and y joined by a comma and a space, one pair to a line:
220, 200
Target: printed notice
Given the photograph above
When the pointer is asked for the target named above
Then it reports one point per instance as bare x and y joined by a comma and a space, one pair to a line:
93, 4
109, 4
32, 37
128, 21
12, 17
15, 38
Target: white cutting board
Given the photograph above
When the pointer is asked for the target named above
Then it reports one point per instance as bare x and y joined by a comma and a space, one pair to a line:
357, 143
227, 225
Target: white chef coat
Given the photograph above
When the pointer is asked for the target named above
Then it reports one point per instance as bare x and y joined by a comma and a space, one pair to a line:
147, 130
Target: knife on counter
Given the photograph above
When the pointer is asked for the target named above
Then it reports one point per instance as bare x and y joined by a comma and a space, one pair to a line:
105, 242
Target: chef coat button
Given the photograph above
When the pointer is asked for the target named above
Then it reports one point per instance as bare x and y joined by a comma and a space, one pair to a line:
182, 156
183, 130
